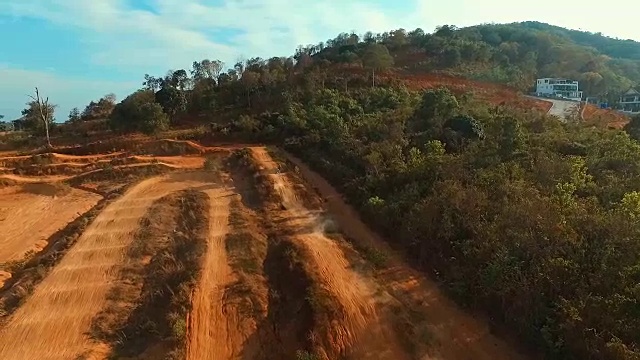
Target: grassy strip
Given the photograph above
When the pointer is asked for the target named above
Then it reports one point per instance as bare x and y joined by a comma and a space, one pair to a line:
150, 305
246, 248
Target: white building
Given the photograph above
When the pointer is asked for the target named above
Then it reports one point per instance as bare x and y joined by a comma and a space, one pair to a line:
560, 88
630, 102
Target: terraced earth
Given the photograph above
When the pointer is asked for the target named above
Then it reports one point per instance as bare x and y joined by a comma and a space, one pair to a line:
212, 253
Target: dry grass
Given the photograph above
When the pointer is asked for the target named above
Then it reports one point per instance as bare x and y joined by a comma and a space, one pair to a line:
246, 247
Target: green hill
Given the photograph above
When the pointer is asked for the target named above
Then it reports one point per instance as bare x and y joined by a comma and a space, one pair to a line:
513, 54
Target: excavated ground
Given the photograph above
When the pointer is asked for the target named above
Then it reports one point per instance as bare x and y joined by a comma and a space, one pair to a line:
189, 252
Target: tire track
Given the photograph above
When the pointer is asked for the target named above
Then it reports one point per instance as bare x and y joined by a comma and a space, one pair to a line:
211, 335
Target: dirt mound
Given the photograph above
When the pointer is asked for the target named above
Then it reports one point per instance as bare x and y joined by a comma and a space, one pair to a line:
207, 316
493, 93
604, 117
140, 321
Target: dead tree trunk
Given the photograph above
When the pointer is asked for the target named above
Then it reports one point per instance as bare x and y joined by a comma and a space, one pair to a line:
43, 109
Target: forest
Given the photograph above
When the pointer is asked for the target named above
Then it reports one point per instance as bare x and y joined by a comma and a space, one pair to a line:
530, 220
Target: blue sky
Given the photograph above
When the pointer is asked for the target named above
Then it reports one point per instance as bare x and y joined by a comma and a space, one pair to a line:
76, 51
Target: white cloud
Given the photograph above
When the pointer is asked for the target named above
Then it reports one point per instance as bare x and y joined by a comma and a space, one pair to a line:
17, 84
174, 34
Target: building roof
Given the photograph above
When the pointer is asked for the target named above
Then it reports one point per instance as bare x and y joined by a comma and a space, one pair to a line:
632, 91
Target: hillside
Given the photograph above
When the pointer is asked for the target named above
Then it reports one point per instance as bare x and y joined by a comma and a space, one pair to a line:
522, 219
513, 54
616, 48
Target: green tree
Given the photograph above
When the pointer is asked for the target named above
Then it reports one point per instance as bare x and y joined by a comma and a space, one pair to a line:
152, 119
100, 109
74, 115
139, 112
206, 69
633, 128
377, 57
172, 100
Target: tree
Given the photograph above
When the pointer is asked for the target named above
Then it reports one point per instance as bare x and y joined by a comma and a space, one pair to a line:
206, 69
152, 83
152, 119
633, 128
43, 111
172, 100
178, 79
74, 115
377, 57
100, 109
139, 112
6, 126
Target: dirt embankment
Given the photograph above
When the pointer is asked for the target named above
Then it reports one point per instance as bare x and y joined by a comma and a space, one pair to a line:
604, 117
55, 319
144, 317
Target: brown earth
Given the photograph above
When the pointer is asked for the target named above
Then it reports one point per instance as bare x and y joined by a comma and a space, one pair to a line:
604, 117
360, 334
210, 333
496, 94
30, 214
55, 319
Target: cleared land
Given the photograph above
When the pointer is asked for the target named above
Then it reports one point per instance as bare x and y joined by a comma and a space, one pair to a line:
285, 271
55, 319
30, 214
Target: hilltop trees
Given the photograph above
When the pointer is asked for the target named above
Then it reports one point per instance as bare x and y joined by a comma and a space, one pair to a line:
4, 125
74, 115
139, 112
100, 109
172, 100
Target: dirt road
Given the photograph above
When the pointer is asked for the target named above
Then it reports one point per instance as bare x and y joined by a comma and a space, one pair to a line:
210, 335
563, 108
28, 217
54, 321
366, 336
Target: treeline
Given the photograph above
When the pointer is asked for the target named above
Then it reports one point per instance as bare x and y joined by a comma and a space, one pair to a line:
513, 54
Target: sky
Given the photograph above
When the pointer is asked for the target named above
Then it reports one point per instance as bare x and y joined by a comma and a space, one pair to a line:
77, 51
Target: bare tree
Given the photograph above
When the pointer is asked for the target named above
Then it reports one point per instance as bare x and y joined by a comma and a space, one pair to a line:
45, 114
